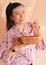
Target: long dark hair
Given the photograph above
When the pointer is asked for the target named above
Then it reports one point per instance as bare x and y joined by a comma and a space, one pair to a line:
9, 10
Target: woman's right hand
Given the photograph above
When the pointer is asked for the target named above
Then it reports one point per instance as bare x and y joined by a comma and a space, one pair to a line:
36, 24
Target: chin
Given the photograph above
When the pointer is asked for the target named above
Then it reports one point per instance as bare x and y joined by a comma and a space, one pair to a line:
21, 21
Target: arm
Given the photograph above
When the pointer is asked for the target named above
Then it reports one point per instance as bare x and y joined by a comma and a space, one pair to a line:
41, 45
5, 46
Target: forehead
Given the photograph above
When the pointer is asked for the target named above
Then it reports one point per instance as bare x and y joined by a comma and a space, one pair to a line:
19, 8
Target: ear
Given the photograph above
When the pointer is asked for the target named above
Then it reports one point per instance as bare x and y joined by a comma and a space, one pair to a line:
11, 18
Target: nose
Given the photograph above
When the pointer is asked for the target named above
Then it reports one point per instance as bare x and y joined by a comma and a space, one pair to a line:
21, 15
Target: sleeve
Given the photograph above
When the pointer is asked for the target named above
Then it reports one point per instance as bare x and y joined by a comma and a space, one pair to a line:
41, 45
6, 45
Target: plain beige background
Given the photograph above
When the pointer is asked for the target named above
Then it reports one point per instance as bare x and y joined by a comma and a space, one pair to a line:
40, 57
36, 9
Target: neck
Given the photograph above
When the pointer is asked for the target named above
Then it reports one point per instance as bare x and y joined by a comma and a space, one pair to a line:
20, 26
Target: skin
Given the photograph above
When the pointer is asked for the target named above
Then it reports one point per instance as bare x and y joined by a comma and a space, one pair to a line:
19, 16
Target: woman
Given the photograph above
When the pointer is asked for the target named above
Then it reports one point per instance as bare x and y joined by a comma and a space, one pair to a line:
18, 27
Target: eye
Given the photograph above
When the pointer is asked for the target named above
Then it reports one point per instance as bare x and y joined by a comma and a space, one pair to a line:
23, 12
17, 13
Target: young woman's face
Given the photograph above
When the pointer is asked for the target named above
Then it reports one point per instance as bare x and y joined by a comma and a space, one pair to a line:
19, 15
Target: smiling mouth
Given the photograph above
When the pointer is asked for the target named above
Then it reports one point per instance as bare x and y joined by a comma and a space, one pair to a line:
22, 20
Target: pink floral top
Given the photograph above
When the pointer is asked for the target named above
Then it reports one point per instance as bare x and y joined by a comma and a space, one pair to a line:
24, 55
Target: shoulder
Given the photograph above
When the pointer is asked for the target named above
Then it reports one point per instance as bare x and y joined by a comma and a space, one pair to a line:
9, 33
10, 30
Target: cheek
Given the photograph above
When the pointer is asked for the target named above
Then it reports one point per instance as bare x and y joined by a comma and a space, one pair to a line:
25, 17
16, 17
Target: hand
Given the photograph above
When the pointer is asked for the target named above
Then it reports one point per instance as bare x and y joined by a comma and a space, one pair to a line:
36, 25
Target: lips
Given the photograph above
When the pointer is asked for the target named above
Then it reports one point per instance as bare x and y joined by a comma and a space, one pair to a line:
21, 19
